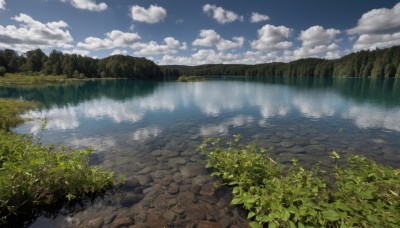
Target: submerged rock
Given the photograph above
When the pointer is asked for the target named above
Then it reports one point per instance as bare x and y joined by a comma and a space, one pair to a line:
129, 199
208, 224
97, 222
122, 222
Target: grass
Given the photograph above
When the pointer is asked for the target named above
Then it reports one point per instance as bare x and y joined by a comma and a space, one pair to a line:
13, 78
357, 193
184, 78
35, 176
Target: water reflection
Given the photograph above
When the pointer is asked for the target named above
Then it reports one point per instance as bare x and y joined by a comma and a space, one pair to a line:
146, 133
219, 98
223, 128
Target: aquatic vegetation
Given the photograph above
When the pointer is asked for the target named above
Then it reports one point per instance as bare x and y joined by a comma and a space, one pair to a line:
33, 175
357, 192
9, 110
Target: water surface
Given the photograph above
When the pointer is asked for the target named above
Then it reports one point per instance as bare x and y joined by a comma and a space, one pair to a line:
149, 131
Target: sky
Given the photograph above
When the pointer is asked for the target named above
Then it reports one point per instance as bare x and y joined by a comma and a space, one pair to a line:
195, 32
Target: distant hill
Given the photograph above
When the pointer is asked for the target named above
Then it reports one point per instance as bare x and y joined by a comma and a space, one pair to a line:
377, 63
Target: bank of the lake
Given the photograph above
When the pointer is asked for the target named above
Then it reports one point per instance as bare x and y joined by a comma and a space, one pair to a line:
36, 178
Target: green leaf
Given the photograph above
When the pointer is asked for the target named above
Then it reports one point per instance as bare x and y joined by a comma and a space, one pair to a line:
286, 215
251, 215
300, 225
330, 215
341, 206
292, 225
254, 225
271, 225
236, 201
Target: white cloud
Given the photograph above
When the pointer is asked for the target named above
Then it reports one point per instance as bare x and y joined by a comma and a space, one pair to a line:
221, 15
210, 38
317, 35
373, 41
175, 60
171, 46
152, 15
114, 39
87, 5
30, 34
77, 51
2, 4
119, 52
378, 21
202, 56
272, 37
377, 28
318, 42
257, 17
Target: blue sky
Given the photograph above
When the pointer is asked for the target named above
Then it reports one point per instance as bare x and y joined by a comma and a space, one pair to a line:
192, 32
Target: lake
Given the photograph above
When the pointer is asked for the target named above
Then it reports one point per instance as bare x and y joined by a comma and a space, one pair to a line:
149, 131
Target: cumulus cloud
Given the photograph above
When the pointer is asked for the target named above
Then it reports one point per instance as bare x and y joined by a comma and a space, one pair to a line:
378, 21
317, 35
119, 52
171, 46
90, 5
209, 38
77, 51
318, 42
221, 15
373, 41
377, 28
2, 5
152, 15
114, 39
272, 37
257, 17
30, 34
200, 57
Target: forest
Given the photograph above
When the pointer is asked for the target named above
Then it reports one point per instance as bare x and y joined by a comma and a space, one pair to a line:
376, 63
76, 66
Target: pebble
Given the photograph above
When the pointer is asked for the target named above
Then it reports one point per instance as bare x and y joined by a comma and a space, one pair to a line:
173, 188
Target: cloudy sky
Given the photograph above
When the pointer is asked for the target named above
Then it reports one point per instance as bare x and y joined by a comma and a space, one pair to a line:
193, 32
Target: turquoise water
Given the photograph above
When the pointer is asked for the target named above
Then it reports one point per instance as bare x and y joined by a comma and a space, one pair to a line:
149, 131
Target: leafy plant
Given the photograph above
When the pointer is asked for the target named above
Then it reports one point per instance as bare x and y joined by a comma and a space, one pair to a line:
358, 193
34, 175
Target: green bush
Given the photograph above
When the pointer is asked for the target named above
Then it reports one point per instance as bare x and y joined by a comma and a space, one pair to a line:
357, 193
33, 175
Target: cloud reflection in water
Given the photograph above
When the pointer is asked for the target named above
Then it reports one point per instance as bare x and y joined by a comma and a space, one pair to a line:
214, 98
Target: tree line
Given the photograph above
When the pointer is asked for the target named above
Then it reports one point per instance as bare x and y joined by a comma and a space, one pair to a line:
77, 66
376, 63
